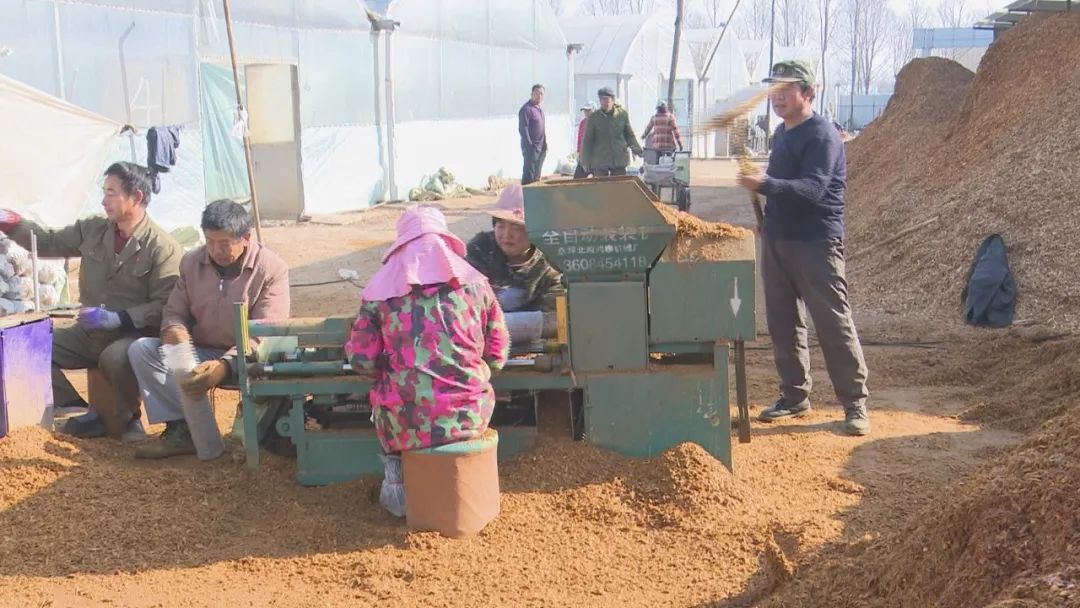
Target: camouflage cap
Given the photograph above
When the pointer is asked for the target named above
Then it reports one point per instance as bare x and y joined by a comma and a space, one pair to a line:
792, 71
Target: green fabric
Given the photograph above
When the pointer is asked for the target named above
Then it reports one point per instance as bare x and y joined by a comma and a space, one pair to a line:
792, 71
224, 167
607, 137
489, 440
539, 280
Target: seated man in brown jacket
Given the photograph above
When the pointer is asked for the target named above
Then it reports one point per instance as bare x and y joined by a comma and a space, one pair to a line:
229, 268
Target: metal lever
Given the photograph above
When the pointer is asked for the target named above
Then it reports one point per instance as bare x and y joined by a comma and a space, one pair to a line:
740, 392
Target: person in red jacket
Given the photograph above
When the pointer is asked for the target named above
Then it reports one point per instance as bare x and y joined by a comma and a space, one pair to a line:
586, 111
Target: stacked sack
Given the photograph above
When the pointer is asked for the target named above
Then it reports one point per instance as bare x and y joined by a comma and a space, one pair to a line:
17, 280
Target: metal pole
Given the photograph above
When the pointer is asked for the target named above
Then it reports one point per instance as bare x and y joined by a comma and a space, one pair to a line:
719, 38
741, 400
124, 85
675, 55
768, 102
854, 61
57, 39
391, 113
247, 136
380, 120
34, 270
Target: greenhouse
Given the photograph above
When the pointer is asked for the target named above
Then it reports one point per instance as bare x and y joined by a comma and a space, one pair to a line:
344, 106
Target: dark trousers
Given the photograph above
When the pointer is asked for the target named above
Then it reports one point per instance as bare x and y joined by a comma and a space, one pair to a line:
608, 171
533, 165
808, 277
579, 172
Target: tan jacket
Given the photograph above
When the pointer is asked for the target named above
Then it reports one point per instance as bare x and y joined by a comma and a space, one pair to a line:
203, 302
137, 281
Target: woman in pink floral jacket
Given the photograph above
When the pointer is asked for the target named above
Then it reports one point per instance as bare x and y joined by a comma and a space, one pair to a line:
430, 331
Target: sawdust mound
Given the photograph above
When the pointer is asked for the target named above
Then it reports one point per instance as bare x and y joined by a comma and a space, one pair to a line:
690, 226
1008, 537
699, 240
1004, 163
675, 488
919, 112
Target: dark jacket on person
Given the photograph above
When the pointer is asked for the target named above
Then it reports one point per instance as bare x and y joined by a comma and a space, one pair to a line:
536, 276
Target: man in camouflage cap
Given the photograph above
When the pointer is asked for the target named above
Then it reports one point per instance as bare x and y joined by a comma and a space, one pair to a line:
802, 259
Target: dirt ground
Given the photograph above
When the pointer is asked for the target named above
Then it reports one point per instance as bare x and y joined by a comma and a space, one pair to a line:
83, 524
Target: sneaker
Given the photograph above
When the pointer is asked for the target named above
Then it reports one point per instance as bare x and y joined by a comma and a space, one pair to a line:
175, 441
135, 432
856, 420
86, 426
782, 409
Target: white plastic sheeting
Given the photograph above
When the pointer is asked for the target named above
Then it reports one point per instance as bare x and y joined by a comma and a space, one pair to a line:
727, 74
461, 71
471, 149
341, 168
45, 172
632, 55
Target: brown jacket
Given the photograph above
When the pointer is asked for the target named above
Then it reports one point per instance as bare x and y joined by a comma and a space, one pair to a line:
137, 281
203, 302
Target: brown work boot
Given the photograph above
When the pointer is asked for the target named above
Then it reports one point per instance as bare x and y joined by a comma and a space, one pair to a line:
175, 441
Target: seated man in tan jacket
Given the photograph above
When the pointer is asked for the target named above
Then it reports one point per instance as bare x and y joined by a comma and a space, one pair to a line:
128, 267
229, 268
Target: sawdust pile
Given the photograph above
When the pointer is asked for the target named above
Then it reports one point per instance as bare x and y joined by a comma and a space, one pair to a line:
1005, 162
674, 489
700, 240
1007, 537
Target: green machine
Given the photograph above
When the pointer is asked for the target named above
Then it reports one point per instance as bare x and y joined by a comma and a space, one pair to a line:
645, 333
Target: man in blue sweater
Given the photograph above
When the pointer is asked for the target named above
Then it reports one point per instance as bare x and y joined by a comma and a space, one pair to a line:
802, 257
533, 134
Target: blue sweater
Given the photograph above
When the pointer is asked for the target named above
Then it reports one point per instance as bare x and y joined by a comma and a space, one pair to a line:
805, 186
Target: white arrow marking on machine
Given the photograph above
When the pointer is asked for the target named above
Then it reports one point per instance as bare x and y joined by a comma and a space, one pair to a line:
735, 301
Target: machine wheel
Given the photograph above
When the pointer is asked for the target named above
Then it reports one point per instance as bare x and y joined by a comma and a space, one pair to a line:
682, 198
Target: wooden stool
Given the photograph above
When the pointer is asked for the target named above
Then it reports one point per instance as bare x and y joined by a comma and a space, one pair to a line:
98, 390
453, 489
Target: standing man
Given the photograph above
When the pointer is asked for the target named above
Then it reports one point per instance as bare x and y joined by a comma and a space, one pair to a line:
127, 270
664, 130
533, 135
229, 268
802, 261
607, 136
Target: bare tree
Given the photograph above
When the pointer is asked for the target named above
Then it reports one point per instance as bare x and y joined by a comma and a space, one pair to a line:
827, 13
866, 23
712, 13
557, 6
751, 21
902, 32
795, 20
876, 16
617, 7
954, 13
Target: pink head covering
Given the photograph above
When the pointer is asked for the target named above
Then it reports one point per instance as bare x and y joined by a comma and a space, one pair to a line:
510, 206
425, 253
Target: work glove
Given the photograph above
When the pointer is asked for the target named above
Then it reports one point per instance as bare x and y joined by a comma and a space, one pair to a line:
510, 298
98, 318
204, 377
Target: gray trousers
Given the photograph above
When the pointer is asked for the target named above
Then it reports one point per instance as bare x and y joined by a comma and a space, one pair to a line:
160, 393
801, 277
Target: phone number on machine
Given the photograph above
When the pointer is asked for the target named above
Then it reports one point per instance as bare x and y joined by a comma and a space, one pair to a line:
606, 263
